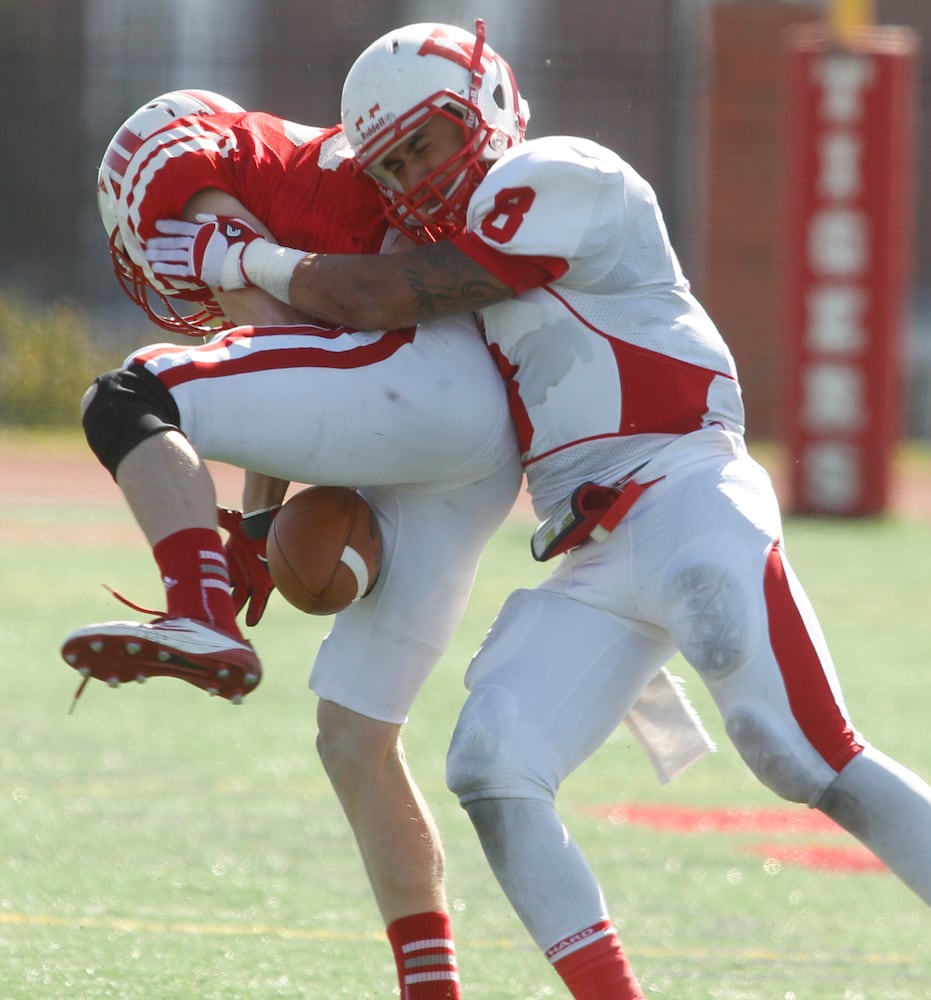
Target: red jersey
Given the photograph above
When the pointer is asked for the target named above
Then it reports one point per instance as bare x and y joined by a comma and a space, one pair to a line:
298, 179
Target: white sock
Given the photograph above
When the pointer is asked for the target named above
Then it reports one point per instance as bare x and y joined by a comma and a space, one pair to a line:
888, 809
539, 867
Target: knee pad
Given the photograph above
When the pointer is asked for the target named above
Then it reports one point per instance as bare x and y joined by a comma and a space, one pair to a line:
787, 764
128, 406
488, 756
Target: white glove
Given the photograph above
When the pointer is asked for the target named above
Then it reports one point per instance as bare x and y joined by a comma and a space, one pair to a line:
209, 250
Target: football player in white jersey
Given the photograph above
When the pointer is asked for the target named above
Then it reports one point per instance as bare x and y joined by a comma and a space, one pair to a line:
390, 412
630, 422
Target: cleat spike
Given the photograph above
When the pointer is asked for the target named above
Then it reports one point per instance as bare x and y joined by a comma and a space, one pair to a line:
213, 692
223, 674
250, 680
96, 646
236, 699
71, 658
113, 682
85, 672
133, 648
141, 678
164, 656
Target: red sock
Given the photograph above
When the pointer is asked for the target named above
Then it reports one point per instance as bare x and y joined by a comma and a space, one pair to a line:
425, 956
197, 583
598, 969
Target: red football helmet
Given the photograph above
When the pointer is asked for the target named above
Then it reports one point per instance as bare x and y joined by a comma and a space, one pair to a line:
177, 306
410, 75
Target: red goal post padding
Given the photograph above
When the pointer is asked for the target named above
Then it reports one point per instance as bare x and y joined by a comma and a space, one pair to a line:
849, 163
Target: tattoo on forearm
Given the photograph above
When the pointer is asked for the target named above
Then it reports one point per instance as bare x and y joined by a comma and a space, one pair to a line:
445, 280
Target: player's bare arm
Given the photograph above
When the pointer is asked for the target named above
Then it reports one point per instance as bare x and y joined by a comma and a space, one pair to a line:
361, 291
397, 290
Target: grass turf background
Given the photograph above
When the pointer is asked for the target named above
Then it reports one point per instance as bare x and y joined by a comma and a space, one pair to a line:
158, 843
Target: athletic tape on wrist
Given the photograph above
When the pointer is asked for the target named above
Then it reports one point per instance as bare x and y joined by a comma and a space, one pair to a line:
270, 266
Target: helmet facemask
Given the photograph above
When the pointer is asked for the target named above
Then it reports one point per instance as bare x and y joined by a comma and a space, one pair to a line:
195, 313
436, 207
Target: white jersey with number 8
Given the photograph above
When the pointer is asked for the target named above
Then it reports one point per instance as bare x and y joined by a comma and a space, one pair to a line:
631, 360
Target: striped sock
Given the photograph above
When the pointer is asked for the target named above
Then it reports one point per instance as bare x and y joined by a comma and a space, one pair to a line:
425, 956
593, 965
196, 578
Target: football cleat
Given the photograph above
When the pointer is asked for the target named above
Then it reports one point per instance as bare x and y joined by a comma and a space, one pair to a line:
121, 652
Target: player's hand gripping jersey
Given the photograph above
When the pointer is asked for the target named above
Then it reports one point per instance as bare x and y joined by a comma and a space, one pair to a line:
631, 360
298, 179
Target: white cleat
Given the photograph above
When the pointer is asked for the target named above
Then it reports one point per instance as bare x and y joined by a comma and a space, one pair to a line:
122, 651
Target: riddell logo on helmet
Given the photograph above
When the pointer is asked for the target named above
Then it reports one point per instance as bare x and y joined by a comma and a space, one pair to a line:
374, 126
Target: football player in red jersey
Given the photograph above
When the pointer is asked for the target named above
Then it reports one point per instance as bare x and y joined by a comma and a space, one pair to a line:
193, 150
417, 418
630, 420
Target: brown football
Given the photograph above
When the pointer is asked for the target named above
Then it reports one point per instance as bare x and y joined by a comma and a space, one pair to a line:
324, 549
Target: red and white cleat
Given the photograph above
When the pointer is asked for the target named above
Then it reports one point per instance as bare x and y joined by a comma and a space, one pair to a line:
120, 652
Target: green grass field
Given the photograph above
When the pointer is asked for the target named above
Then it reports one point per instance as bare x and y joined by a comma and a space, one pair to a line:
160, 844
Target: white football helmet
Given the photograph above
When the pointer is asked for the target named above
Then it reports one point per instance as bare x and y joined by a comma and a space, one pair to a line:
410, 75
181, 307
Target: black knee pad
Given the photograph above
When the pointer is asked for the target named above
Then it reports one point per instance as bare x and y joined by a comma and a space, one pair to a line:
130, 405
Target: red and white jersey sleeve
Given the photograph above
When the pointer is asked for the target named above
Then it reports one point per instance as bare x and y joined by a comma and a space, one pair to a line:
607, 354
299, 180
